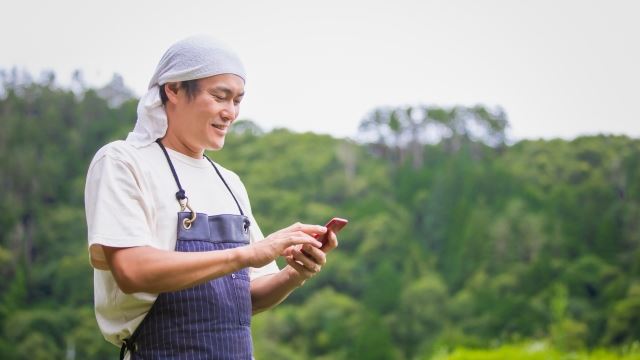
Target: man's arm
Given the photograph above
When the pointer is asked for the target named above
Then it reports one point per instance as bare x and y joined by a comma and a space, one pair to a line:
147, 269
269, 291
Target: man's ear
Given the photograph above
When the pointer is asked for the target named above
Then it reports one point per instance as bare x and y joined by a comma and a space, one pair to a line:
172, 89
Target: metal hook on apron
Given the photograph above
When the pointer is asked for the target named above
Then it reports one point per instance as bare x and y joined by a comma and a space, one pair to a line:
184, 204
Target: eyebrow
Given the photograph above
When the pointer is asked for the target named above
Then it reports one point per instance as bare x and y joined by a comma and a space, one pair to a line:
225, 90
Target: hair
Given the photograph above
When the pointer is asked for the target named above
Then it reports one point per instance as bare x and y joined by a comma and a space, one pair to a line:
189, 86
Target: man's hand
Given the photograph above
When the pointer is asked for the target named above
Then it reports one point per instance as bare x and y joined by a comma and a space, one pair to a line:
308, 260
274, 245
268, 291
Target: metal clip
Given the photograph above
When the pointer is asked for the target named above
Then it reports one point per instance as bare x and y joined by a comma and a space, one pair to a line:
186, 223
183, 203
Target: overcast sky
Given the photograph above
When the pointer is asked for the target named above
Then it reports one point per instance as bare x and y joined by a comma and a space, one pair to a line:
558, 68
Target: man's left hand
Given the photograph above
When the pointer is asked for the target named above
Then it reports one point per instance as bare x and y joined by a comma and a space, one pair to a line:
308, 260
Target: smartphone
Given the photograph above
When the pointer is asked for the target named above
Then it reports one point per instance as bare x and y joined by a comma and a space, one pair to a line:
336, 224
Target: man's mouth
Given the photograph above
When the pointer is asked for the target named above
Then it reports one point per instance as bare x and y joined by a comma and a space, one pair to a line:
220, 127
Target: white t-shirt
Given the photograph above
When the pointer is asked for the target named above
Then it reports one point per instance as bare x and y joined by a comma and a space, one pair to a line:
130, 201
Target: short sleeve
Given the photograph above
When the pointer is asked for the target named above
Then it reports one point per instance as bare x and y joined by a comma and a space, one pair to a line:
117, 212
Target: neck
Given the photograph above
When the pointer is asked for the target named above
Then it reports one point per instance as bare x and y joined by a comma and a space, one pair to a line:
173, 142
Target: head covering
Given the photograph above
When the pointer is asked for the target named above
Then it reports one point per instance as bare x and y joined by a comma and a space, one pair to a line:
192, 58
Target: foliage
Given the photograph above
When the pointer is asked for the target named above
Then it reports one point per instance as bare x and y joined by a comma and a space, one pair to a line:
456, 240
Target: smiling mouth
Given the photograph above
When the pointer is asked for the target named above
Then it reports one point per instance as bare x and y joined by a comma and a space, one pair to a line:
220, 127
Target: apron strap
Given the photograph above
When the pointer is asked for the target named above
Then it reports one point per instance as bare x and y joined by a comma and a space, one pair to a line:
225, 184
180, 195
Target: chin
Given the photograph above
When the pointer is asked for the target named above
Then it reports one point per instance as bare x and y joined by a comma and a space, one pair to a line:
215, 146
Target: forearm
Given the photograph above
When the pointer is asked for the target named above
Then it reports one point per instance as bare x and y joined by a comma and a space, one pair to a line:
146, 269
269, 291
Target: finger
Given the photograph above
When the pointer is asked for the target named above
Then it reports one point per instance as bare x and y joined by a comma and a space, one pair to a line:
320, 239
307, 228
288, 229
299, 268
294, 260
301, 238
331, 243
287, 251
317, 255
305, 260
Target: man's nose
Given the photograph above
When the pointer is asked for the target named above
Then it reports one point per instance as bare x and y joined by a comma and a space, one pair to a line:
229, 112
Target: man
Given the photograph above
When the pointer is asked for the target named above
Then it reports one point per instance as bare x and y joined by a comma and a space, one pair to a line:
180, 262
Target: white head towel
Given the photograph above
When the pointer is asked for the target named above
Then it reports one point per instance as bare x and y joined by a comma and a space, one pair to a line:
193, 58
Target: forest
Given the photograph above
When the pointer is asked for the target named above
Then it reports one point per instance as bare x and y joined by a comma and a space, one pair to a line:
462, 244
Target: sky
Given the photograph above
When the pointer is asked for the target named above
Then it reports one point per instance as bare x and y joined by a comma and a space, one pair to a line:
558, 68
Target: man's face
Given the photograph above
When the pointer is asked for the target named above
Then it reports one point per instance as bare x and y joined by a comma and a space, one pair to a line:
203, 121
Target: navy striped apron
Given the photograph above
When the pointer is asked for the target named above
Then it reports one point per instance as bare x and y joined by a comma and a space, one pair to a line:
208, 321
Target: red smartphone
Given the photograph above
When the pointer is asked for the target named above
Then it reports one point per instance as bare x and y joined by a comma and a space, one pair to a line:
336, 224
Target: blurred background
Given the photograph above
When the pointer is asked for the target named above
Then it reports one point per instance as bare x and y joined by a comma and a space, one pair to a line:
486, 153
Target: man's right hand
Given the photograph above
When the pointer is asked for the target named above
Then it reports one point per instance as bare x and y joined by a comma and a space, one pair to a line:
274, 245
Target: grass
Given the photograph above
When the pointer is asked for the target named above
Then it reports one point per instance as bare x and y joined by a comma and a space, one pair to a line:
539, 351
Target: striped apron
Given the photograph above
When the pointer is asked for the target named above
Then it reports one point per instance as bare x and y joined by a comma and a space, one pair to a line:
208, 321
